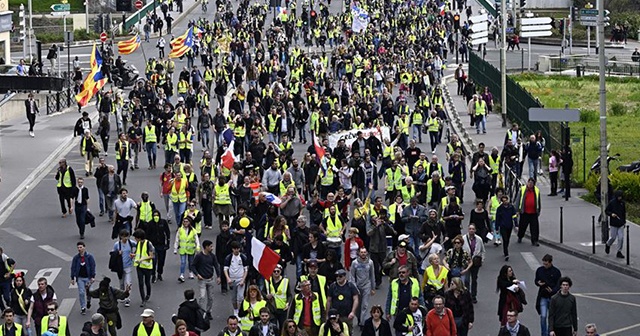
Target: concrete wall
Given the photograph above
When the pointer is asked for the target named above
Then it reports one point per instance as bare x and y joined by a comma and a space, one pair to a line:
6, 37
14, 108
549, 4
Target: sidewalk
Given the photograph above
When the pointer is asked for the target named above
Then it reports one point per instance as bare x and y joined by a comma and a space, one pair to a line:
577, 214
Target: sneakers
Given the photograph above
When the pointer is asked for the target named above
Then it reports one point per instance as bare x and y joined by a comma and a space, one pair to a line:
181, 278
143, 303
127, 303
33, 135
153, 279
607, 249
191, 276
88, 304
506, 258
619, 255
83, 311
160, 277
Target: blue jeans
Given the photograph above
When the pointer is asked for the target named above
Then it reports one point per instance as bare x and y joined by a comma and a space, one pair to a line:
544, 314
184, 258
414, 237
299, 267
152, 152
533, 168
82, 291
204, 137
178, 210
483, 120
417, 132
101, 200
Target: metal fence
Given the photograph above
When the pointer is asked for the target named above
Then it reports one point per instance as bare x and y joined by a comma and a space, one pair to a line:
60, 100
519, 100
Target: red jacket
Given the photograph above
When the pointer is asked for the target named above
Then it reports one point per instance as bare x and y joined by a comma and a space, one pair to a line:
441, 327
347, 251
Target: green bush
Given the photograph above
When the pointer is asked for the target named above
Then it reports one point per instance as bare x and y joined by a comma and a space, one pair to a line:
618, 109
629, 183
588, 116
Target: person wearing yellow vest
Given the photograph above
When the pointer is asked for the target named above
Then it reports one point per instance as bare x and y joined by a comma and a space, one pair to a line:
306, 297
144, 214
148, 326
406, 322
480, 109
10, 328
195, 214
494, 164
122, 157
434, 279
66, 181
416, 124
278, 291
185, 144
403, 125
335, 324
222, 200
493, 205
393, 181
54, 321
186, 244
143, 262
170, 145
150, 141
332, 226
89, 150
433, 126
401, 290
178, 195
250, 310
529, 206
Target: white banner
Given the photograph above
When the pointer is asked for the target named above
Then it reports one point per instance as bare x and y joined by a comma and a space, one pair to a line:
351, 135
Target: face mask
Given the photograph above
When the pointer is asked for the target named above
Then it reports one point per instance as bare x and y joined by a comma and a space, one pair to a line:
156, 218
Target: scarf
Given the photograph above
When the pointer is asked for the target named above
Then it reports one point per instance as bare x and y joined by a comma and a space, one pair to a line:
513, 330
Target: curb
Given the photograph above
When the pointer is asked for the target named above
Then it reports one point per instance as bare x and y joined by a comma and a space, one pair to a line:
20, 193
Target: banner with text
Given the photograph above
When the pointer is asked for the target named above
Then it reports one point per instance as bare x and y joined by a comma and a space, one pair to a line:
350, 136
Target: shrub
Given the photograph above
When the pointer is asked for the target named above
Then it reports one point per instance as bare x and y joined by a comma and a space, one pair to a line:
629, 183
589, 116
618, 109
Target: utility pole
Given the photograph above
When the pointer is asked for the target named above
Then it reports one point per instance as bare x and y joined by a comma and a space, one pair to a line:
604, 170
86, 13
503, 61
30, 31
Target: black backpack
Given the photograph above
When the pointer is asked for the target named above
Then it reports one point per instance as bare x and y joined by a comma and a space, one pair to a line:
202, 322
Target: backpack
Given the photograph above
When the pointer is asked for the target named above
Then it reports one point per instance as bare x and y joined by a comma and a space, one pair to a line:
202, 322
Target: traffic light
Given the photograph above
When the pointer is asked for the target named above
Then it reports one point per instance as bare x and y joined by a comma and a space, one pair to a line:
574, 14
561, 26
456, 22
523, 3
123, 5
23, 23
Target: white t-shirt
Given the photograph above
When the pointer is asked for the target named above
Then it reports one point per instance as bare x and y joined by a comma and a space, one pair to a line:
417, 323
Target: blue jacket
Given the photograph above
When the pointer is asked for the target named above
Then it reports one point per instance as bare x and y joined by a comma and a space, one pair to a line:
75, 265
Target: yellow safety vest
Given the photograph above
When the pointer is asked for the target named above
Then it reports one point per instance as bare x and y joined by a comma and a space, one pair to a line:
150, 134
436, 282
185, 145
280, 293
62, 325
183, 86
18, 329
315, 309
327, 178
334, 227
495, 203
179, 196
387, 152
154, 332
198, 224
65, 179
394, 179
322, 281
404, 125
392, 212
523, 189
434, 125
239, 131
170, 144
187, 241
126, 150
145, 211
142, 252
415, 291
494, 164
272, 123
480, 107
222, 194
408, 194
430, 188
417, 118
284, 187
246, 322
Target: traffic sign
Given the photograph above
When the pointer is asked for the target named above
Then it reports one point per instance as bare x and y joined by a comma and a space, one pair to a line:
588, 18
536, 27
139, 4
480, 41
479, 18
60, 13
536, 33
547, 114
592, 23
536, 21
478, 27
61, 7
103, 37
592, 12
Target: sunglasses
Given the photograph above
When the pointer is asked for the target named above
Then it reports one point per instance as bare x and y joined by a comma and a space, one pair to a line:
458, 242
402, 272
51, 309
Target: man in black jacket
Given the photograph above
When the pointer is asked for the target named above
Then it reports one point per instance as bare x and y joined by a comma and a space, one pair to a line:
257, 329
188, 311
513, 326
159, 235
81, 196
617, 212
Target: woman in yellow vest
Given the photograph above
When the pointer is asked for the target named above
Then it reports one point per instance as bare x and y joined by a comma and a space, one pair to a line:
196, 216
222, 200
279, 227
178, 194
434, 279
250, 310
186, 244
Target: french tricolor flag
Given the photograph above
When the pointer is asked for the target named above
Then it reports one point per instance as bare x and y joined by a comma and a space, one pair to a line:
228, 158
265, 259
441, 8
271, 198
319, 152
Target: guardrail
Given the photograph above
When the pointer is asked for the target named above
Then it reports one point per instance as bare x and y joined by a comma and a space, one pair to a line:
26, 83
58, 101
135, 17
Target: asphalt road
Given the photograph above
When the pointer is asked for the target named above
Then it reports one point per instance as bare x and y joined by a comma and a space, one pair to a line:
43, 245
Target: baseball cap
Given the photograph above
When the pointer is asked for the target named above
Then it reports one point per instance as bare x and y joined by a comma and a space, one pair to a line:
341, 272
333, 313
403, 236
312, 263
148, 313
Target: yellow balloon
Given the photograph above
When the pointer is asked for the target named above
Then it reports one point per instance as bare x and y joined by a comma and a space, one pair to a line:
244, 222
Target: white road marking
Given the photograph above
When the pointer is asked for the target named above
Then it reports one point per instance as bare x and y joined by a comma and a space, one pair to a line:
19, 234
531, 260
48, 273
591, 244
66, 306
617, 331
609, 300
56, 252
